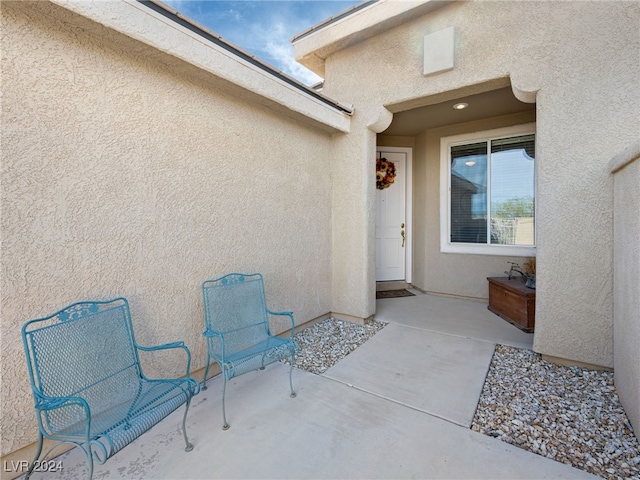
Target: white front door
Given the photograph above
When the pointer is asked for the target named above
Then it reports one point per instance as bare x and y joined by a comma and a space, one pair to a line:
391, 221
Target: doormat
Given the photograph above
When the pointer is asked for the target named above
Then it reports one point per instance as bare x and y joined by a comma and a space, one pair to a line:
394, 294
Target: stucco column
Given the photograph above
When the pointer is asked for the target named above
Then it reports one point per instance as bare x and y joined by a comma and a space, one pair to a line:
626, 279
353, 215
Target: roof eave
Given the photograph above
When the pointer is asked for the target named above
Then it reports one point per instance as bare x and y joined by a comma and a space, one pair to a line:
313, 46
160, 27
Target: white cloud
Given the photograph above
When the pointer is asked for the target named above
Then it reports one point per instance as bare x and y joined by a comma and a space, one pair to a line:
282, 55
278, 51
263, 28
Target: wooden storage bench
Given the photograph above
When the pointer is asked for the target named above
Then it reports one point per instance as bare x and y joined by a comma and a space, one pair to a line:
514, 302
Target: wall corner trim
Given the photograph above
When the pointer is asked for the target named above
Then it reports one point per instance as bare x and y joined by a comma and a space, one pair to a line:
625, 157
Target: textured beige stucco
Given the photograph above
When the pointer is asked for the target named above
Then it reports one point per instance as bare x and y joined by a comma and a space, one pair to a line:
129, 167
466, 275
126, 172
626, 283
580, 62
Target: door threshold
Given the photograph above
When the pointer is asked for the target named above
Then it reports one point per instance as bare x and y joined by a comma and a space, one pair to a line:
391, 285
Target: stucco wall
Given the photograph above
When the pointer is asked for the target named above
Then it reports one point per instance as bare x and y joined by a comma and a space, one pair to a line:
626, 281
579, 61
353, 285
128, 172
449, 273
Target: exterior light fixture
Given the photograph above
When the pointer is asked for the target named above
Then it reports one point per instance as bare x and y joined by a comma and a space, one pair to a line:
460, 106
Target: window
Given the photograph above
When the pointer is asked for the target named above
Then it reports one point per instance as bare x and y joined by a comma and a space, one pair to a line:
488, 185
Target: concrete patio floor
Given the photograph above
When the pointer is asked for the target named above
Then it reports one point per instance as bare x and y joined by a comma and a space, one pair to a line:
399, 406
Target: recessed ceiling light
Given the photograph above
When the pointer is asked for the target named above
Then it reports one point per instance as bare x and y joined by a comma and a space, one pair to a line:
460, 106
470, 163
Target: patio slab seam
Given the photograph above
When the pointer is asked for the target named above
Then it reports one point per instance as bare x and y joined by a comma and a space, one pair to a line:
430, 330
397, 402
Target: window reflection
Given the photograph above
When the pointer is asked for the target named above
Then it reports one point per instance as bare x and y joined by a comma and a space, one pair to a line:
506, 177
469, 193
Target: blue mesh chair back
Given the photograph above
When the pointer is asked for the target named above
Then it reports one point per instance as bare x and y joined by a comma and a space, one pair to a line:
238, 311
96, 360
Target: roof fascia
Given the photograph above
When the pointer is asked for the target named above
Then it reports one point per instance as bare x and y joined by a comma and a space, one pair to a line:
313, 46
333, 19
157, 25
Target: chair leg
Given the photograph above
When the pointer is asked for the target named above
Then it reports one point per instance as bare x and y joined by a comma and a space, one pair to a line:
89, 454
206, 371
38, 452
293, 393
184, 427
225, 425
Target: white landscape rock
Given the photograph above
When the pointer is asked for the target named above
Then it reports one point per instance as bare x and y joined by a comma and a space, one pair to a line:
570, 414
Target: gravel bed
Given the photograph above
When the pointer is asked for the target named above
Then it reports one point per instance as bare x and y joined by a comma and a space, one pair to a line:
324, 344
570, 414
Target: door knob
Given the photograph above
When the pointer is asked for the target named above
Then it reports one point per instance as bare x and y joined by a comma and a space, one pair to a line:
402, 233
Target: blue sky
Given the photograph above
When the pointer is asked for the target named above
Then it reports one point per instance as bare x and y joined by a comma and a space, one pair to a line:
264, 27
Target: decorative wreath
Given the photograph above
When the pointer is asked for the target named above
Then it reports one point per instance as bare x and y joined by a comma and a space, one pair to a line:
385, 173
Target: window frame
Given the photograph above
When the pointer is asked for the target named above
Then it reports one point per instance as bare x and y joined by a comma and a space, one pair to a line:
446, 246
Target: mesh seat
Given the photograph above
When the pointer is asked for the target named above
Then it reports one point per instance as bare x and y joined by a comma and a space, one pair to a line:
237, 329
87, 382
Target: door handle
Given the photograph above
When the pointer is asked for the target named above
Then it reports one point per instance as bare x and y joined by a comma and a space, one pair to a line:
402, 233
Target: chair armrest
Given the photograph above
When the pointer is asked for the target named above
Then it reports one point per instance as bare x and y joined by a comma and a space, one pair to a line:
161, 347
270, 312
289, 314
167, 346
44, 403
212, 333
208, 333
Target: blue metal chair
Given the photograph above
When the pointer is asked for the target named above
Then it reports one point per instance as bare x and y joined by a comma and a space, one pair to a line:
87, 381
237, 331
